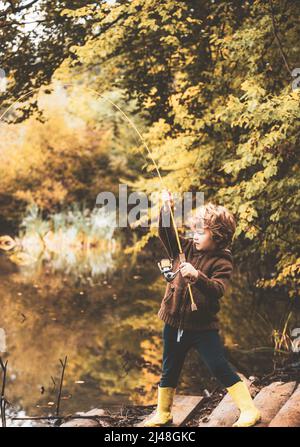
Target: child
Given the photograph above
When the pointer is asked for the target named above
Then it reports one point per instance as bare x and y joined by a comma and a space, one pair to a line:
207, 269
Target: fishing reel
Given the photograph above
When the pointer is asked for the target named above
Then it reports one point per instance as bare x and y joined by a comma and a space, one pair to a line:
165, 267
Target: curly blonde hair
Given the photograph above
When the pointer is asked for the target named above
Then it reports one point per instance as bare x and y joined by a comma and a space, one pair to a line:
218, 220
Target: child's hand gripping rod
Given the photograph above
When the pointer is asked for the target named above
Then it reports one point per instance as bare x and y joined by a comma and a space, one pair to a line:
181, 255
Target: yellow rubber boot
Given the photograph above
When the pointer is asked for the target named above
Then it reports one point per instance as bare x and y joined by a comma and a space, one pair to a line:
250, 415
164, 406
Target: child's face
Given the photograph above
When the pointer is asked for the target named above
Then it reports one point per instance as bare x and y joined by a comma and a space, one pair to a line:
202, 239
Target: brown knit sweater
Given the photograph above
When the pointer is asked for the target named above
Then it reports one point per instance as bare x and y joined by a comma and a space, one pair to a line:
214, 272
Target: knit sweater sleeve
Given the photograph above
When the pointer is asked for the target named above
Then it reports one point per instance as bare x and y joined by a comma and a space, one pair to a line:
217, 284
167, 234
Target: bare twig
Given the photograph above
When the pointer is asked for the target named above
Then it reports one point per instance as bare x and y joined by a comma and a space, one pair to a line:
3, 400
13, 10
278, 39
54, 384
40, 418
63, 364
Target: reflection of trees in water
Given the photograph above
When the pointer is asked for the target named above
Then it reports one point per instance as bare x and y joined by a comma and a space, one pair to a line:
110, 332
47, 316
78, 242
84, 265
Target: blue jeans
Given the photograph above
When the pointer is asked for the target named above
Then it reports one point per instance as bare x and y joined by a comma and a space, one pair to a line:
210, 347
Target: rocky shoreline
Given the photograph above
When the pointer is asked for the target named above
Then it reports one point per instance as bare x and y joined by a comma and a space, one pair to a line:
132, 415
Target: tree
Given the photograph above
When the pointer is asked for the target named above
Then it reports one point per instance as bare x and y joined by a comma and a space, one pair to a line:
214, 81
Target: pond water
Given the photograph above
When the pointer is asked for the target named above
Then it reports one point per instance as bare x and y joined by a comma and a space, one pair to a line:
102, 314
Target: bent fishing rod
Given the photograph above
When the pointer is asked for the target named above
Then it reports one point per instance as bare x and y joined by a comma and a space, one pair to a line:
131, 123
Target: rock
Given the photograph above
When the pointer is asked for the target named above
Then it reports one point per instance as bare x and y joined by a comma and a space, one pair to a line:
271, 398
226, 413
81, 423
289, 414
85, 422
94, 412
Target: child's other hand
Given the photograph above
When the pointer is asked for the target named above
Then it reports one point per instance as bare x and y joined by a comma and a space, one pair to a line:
167, 199
188, 271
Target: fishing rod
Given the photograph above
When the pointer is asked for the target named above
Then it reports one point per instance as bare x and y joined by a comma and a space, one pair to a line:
165, 265
100, 95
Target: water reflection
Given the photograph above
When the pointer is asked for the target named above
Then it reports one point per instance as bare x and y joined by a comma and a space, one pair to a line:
104, 319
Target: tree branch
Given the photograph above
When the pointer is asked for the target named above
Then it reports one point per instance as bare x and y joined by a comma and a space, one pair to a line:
278, 39
19, 9
3, 400
63, 364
